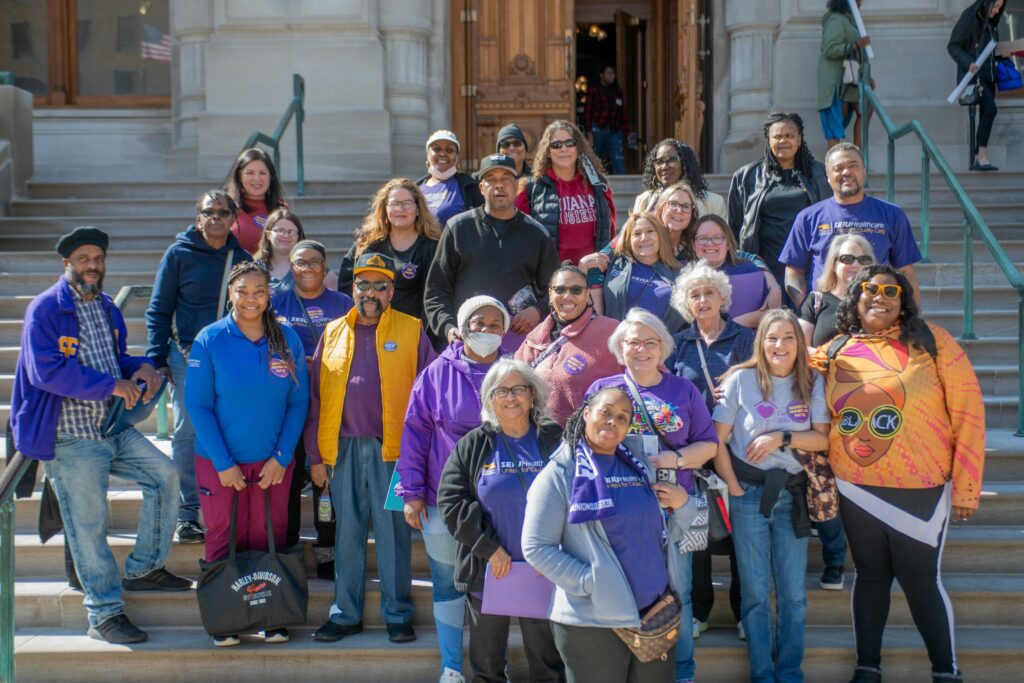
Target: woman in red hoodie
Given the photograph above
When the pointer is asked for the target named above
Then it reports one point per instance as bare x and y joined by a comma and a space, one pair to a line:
254, 186
567, 193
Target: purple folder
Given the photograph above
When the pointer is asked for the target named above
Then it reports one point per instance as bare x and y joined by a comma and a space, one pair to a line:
521, 593
748, 292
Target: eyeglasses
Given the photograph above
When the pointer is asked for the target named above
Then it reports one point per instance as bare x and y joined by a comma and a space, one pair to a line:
518, 391
559, 144
285, 232
708, 241
308, 265
404, 205
849, 259
219, 213
377, 285
561, 290
505, 144
642, 344
888, 291
667, 161
676, 206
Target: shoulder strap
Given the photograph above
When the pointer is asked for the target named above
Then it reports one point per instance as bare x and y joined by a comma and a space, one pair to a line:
833, 350
634, 393
819, 302
928, 342
228, 262
704, 364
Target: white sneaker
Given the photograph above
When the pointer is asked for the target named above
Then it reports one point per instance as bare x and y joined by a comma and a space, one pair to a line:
451, 676
699, 627
740, 632
226, 640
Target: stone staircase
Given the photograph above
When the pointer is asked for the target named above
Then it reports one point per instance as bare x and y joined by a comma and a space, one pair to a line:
983, 561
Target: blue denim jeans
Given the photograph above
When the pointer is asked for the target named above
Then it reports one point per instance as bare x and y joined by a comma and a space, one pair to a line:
767, 552
683, 579
80, 473
183, 442
833, 542
359, 483
449, 604
609, 143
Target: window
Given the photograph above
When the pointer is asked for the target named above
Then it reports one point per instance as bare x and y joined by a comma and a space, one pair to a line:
127, 34
84, 29
21, 41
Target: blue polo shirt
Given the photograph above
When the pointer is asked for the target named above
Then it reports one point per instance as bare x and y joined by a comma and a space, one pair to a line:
309, 317
244, 405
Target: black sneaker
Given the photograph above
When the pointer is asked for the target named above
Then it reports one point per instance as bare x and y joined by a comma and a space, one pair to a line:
190, 532
832, 579
275, 635
118, 630
401, 633
227, 640
157, 580
331, 632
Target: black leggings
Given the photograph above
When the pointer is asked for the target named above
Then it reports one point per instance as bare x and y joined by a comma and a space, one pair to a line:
880, 554
988, 112
702, 593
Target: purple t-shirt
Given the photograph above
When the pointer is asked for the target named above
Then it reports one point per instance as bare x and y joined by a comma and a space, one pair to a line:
444, 199
678, 411
319, 311
749, 288
648, 290
882, 224
500, 489
635, 531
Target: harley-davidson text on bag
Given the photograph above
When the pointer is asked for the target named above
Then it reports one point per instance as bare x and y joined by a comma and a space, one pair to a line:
658, 631
253, 590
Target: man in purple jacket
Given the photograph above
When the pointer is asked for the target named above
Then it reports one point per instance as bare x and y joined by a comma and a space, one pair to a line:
73, 380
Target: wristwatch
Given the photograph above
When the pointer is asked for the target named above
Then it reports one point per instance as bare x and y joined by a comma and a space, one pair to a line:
787, 438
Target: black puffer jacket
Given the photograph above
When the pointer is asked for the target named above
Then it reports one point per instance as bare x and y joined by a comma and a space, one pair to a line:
972, 33
461, 509
545, 205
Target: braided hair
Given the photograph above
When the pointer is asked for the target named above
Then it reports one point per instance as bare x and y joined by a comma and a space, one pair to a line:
692, 172
276, 342
804, 158
576, 426
911, 325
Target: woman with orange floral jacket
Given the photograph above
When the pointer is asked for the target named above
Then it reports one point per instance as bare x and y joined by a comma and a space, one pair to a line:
907, 447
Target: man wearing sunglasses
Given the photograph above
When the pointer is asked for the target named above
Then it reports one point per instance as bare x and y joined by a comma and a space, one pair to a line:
512, 142
848, 211
189, 293
361, 377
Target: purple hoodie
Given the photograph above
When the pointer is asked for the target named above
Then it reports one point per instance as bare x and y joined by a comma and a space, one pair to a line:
443, 407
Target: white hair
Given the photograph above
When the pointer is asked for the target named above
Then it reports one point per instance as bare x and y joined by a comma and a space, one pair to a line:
699, 271
497, 374
640, 316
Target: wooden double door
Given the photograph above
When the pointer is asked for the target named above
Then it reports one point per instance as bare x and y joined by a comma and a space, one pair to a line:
514, 61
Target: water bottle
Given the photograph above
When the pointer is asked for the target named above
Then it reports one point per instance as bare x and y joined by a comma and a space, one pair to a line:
325, 509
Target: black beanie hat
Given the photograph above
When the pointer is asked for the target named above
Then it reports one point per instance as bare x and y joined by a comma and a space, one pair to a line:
510, 130
309, 244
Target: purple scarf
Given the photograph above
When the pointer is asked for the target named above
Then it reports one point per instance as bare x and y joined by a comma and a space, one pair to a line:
590, 500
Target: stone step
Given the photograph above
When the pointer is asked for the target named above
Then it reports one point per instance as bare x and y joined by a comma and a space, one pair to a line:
166, 225
69, 656
992, 600
102, 209
186, 190
152, 238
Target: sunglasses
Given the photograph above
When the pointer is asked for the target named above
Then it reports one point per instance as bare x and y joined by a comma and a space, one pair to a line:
849, 259
219, 213
559, 144
506, 144
561, 290
888, 291
378, 285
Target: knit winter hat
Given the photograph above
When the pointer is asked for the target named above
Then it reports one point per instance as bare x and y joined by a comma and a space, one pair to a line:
474, 304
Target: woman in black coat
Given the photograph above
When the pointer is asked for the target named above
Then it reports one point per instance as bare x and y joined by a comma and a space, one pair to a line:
977, 26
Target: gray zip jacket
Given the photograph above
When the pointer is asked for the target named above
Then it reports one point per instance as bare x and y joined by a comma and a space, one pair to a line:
590, 585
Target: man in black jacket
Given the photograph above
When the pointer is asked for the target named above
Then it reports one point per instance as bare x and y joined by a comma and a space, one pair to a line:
494, 249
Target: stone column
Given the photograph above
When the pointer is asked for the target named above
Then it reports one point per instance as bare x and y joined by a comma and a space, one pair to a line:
191, 27
752, 26
405, 28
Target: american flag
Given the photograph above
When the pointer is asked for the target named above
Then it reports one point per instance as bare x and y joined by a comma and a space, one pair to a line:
156, 45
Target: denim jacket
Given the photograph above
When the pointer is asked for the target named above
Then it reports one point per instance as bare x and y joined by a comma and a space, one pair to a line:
591, 588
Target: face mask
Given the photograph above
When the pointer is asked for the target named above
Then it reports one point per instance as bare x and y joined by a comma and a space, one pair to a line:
442, 175
483, 344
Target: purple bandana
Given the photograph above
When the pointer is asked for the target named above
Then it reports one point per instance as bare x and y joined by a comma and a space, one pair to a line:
590, 499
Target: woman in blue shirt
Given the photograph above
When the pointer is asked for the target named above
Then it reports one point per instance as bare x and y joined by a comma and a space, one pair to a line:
248, 391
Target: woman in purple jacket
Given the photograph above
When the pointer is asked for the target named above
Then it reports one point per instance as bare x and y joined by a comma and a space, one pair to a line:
444, 406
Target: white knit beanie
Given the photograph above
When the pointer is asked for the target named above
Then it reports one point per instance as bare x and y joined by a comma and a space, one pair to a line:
474, 304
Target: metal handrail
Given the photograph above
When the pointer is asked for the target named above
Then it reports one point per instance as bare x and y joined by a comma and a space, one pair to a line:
297, 109
9, 479
973, 222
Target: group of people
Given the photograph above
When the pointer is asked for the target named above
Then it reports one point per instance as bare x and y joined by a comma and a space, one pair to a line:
540, 391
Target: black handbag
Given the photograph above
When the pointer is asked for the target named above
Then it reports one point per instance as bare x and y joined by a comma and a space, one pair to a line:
253, 590
971, 95
719, 523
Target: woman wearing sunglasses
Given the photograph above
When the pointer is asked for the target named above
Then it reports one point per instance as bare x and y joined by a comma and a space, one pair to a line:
846, 257
567, 193
569, 349
907, 447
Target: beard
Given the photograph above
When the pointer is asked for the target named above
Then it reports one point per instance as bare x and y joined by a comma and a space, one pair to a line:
848, 191
78, 282
369, 308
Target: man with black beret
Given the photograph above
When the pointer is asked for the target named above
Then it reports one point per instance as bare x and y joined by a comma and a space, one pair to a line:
73, 383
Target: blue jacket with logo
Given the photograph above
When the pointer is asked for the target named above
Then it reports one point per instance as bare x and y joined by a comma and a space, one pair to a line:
48, 369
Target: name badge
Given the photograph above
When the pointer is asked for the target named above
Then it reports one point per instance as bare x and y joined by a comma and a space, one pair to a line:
390, 346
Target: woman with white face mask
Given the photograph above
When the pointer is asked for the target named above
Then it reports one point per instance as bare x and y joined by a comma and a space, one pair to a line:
447, 190
445, 405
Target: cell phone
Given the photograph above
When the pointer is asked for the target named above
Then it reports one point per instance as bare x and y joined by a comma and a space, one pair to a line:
666, 475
